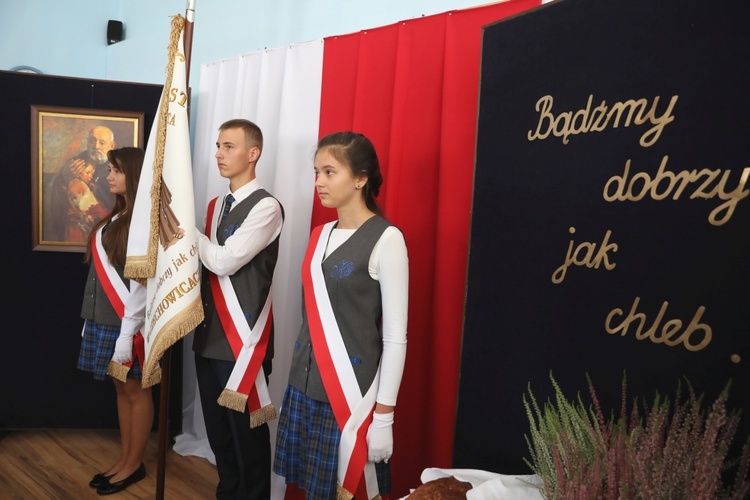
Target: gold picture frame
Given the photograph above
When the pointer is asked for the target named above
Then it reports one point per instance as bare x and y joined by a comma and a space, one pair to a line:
69, 167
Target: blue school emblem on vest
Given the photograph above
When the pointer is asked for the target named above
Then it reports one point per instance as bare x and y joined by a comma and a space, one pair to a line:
342, 270
230, 230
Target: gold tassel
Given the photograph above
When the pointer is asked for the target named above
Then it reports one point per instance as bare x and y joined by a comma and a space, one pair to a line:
118, 371
342, 493
262, 416
136, 268
233, 400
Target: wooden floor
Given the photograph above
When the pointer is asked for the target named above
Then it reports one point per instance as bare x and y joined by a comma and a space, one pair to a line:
41, 464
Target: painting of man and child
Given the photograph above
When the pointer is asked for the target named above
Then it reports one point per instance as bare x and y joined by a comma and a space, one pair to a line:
70, 169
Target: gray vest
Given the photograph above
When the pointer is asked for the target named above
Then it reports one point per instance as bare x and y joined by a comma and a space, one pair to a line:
252, 283
356, 302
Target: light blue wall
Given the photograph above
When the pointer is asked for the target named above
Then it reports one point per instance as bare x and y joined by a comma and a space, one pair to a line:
68, 38
61, 38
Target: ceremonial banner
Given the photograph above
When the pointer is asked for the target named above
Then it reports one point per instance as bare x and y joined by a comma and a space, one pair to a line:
162, 245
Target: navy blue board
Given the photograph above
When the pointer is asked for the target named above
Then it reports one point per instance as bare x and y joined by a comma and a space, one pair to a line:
547, 161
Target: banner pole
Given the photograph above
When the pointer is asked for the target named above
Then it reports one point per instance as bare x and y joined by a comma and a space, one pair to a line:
163, 423
189, 16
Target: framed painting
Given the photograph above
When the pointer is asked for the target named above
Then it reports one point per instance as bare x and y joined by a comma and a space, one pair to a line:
69, 168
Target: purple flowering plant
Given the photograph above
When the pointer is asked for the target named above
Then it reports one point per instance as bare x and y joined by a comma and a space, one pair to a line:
660, 451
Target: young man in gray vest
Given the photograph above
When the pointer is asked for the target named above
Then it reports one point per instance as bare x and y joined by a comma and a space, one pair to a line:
234, 345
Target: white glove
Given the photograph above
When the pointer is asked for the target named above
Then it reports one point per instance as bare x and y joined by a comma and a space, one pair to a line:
380, 437
123, 348
132, 322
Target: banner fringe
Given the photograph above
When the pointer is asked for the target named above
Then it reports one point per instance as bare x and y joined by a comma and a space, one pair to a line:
118, 371
174, 330
178, 23
153, 378
262, 416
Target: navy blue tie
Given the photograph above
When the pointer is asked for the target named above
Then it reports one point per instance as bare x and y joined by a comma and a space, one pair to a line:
227, 205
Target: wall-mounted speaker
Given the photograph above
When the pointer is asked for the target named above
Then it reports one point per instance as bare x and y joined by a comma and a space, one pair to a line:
114, 32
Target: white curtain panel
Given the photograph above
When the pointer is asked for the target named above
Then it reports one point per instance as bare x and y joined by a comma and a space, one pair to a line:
278, 89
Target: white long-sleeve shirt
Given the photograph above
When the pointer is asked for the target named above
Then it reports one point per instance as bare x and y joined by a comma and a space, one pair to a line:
389, 264
261, 226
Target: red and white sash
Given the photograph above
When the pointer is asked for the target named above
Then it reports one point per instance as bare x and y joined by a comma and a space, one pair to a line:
247, 383
117, 292
353, 411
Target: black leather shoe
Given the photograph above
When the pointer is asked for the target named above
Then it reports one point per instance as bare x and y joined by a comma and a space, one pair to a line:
97, 480
107, 488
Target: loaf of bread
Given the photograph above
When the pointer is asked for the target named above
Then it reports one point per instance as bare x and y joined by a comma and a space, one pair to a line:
445, 488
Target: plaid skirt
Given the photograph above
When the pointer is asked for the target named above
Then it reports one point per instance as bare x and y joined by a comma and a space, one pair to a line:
307, 447
97, 349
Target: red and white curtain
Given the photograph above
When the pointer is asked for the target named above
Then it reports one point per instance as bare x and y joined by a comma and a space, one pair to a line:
412, 88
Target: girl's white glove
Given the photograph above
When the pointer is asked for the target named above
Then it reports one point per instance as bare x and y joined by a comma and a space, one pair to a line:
124, 345
123, 349
380, 437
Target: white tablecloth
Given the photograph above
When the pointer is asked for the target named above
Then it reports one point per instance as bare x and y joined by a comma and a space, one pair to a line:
489, 485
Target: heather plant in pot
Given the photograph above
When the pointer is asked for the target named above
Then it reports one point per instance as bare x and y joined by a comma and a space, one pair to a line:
665, 450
